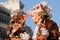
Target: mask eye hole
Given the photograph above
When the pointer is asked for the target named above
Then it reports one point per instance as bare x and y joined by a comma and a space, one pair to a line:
13, 22
37, 7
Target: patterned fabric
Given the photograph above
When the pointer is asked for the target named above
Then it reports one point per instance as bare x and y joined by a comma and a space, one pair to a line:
24, 36
44, 31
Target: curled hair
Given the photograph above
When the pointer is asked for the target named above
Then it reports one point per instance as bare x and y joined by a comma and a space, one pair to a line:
44, 14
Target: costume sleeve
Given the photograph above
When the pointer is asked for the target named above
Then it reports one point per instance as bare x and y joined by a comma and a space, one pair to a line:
55, 27
55, 30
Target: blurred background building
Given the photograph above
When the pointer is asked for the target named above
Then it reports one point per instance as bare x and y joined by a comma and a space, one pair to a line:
4, 17
21, 6
5, 11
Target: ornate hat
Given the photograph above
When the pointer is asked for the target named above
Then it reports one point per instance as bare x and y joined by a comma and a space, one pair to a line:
15, 12
42, 9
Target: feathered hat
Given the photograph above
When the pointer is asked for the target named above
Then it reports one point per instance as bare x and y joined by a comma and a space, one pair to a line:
42, 9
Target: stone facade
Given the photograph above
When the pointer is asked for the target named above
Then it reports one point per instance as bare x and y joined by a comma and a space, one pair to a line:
4, 17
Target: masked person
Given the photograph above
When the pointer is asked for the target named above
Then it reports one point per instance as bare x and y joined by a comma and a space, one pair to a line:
15, 23
46, 29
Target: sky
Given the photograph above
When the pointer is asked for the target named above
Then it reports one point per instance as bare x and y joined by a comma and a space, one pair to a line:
30, 3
